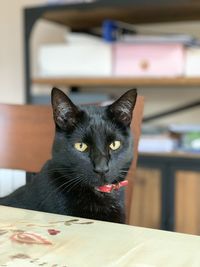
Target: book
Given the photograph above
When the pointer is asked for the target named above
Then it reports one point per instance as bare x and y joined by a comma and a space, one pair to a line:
62, 2
157, 139
159, 39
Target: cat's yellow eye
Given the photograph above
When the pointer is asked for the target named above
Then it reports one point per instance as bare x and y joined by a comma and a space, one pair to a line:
115, 145
80, 146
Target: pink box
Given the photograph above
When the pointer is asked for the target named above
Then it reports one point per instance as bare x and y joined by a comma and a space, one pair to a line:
148, 60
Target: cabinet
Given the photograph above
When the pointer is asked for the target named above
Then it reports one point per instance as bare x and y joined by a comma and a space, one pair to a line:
187, 200
146, 201
167, 192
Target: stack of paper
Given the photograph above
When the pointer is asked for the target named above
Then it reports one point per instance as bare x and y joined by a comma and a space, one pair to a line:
164, 38
82, 55
157, 144
157, 139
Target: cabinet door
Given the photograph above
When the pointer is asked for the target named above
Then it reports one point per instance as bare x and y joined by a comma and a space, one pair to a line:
146, 199
187, 202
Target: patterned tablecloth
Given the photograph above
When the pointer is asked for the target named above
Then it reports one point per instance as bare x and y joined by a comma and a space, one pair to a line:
29, 238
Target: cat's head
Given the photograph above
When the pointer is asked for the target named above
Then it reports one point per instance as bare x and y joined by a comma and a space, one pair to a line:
93, 144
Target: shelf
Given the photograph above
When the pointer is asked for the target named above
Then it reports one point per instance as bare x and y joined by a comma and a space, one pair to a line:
173, 154
81, 16
118, 81
84, 16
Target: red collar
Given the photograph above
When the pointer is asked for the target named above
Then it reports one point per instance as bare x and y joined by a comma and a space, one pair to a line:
109, 187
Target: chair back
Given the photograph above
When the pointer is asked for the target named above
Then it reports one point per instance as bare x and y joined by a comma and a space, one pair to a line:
26, 134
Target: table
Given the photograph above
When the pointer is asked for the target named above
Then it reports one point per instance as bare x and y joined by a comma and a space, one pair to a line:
30, 238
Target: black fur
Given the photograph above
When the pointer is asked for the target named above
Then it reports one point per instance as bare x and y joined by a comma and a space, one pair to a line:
67, 182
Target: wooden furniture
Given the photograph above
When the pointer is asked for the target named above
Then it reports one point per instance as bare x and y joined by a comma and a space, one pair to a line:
166, 192
27, 133
136, 130
147, 204
26, 136
118, 81
186, 201
30, 238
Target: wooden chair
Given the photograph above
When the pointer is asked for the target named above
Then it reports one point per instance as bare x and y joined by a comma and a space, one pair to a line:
26, 135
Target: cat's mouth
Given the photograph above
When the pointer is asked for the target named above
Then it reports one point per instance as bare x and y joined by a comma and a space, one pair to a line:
108, 188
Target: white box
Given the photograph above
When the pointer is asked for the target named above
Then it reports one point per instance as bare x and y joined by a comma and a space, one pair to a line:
192, 62
77, 59
157, 143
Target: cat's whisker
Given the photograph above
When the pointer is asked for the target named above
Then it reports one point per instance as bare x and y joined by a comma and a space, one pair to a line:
71, 182
54, 191
52, 182
75, 184
57, 178
68, 182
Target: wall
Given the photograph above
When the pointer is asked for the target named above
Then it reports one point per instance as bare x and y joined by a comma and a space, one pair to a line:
11, 49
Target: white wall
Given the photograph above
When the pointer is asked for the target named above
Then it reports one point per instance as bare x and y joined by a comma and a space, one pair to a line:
11, 50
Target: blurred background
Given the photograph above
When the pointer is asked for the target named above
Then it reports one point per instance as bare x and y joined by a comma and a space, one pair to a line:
94, 51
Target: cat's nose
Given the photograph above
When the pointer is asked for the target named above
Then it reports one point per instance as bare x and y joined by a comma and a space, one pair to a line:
101, 169
100, 165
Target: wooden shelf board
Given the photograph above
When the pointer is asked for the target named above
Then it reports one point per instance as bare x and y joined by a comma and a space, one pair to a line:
118, 81
82, 16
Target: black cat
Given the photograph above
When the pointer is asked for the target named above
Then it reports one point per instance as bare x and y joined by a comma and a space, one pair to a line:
92, 151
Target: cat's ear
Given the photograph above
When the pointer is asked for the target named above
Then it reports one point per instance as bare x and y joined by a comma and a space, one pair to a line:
122, 109
66, 113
